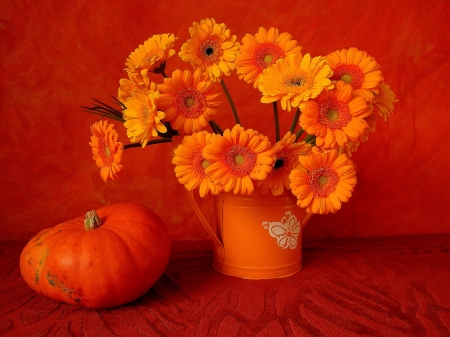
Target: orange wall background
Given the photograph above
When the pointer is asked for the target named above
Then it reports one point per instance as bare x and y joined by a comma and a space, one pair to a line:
57, 55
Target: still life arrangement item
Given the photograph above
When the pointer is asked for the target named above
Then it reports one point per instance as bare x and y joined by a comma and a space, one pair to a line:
264, 190
107, 258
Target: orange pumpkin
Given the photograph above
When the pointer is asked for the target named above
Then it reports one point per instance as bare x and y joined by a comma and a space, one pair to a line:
108, 258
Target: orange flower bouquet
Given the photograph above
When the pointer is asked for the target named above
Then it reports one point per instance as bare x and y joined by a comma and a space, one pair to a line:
334, 101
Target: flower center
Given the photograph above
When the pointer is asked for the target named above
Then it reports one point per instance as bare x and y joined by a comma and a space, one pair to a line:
104, 152
297, 82
268, 58
334, 114
190, 103
278, 164
144, 114
346, 78
151, 56
210, 51
267, 54
199, 164
349, 73
240, 160
284, 164
323, 181
205, 164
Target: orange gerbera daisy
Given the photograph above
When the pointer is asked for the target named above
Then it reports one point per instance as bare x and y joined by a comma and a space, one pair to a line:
335, 116
357, 68
294, 80
351, 147
286, 159
142, 119
191, 165
383, 103
188, 100
323, 181
135, 84
237, 157
106, 150
151, 56
211, 48
262, 50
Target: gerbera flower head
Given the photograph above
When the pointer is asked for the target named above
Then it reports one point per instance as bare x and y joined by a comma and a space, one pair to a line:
127, 87
189, 100
106, 150
335, 117
294, 80
191, 165
323, 181
238, 157
143, 121
262, 50
357, 68
151, 56
286, 153
351, 147
210, 48
383, 102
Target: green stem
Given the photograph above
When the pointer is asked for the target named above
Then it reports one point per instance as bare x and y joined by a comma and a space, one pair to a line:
217, 127
151, 142
295, 121
92, 220
309, 137
213, 127
277, 121
298, 134
230, 100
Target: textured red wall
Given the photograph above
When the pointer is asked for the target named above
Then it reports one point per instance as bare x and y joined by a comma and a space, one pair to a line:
56, 55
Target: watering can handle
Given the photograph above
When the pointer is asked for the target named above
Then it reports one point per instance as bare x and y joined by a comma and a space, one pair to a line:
217, 243
306, 219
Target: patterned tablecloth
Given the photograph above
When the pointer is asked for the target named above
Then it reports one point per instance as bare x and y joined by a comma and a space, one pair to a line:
395, 286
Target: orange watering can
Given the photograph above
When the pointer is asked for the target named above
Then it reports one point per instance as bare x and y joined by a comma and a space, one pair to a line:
257, 236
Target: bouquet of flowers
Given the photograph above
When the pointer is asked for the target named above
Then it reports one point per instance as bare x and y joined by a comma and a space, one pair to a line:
334, 101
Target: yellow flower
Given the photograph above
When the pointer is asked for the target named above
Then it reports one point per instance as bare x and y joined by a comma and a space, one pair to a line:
294, 80
142, 119
383, 101
335, 117
357, 68
191, 165
237, 157
106, 150
135, 84
286, 159
151, 55
211, 48
262, 50
323, 181
189, 100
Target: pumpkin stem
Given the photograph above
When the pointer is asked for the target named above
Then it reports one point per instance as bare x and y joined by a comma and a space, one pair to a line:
92, 220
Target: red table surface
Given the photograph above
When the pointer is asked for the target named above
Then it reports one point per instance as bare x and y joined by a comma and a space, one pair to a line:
391, 286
